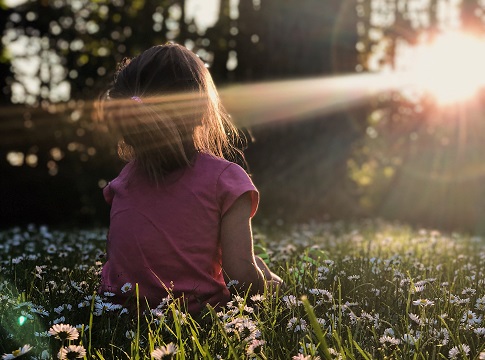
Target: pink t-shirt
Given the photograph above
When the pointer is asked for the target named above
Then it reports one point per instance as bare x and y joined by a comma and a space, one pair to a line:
169, 236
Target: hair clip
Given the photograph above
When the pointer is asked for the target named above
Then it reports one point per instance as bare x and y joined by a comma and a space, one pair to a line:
137, 99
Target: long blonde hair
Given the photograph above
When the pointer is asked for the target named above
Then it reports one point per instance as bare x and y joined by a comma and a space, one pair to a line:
164, 107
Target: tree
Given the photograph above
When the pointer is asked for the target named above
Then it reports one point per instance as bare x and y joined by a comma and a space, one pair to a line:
299, 166
71, 50
412, 161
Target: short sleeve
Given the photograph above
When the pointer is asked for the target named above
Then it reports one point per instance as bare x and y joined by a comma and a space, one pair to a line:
108, 193
232, 183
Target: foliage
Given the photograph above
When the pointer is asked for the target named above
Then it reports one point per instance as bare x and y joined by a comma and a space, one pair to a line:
78, 44
369, 290
397, 156
412, 161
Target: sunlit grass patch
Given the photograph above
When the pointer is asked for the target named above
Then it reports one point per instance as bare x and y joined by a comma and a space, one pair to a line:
368, 290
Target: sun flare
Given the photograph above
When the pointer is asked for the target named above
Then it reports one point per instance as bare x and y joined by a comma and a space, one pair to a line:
450, 68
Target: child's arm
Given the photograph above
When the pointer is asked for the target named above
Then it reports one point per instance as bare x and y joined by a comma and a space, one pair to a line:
268, 274
238, 260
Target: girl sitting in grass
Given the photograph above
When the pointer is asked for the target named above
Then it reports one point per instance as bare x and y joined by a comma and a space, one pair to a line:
181, 213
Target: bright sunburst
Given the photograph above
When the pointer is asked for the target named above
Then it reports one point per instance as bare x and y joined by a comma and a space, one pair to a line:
450, 68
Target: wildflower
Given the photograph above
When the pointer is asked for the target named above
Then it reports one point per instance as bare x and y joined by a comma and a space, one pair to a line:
423, 302
418, 288
64, 332
366, 316
305, 357
182, 317
455, 351
42, 334
168, 350
479, 331
159, 313
72, 352
255, 346
108, 294
327, 294
59, 320
416, 319
27, 315
232, 283
126, 287
409, 339
38, 309
389, 332
101, 307
51, 249
457, 300
480, 303
59, 309
247, 309
443, 335
377, 324
308, 348
353, 317
246, 328
130, 334
17, 353
291, 301
389, 340
470, 318
468, 291
481, 356
78, 287
239, 299
257, 297
86, 302
17, 260
297, 325
334, 353
39, 270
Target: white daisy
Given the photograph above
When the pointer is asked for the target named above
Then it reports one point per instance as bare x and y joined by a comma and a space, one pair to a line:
168, 350
255, 346
470, 318
423, 302
64, 332
297, 325
17, 353
389, 340
455, 351
126, 287
72, 352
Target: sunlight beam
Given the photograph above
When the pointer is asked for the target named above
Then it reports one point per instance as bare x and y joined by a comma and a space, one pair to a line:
254, 104
449, 68
259, 103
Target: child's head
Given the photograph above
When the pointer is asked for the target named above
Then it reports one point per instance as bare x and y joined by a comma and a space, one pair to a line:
164, 107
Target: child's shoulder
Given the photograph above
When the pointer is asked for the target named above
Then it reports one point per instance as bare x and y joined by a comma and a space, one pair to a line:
216, 167
208, 160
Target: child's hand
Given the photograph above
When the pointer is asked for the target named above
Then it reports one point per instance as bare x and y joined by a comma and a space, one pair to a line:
274, 286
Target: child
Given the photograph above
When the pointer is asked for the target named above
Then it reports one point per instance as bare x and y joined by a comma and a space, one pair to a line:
180, 213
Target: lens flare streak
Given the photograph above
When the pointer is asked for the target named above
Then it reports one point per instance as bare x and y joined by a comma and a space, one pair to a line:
254, 104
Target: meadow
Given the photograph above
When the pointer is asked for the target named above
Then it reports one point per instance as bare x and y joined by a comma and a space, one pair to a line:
366, 290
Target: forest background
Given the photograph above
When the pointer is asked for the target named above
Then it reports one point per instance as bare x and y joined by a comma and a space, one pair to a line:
338, 154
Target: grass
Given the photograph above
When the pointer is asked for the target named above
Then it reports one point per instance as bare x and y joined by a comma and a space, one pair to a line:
368, 290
